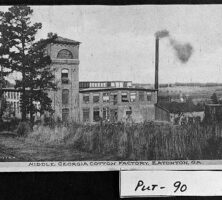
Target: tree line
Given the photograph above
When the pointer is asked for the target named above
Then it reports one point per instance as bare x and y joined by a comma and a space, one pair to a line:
21, 53
163, 85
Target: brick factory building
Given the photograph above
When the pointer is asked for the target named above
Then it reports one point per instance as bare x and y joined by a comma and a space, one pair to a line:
117, 104
91, 102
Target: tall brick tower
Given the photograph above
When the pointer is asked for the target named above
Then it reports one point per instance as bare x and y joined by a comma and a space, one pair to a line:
65, 63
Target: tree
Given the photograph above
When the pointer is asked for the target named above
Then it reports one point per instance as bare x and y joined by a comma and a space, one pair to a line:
5, 59
3, 107
40, 77
214, 98
29, 58
22, 34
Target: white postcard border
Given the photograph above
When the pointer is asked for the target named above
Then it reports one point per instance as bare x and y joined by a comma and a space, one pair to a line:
110, 165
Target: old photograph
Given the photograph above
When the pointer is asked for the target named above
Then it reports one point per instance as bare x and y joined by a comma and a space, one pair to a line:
110, 83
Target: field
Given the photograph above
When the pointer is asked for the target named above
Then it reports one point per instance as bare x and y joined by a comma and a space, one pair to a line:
147, 141
14, 149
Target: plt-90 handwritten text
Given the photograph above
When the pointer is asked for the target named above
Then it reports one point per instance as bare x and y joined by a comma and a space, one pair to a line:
170, 183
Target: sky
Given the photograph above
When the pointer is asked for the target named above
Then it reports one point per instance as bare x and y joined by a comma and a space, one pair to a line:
118, 43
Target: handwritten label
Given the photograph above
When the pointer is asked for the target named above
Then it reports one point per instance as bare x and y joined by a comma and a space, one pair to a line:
170, 183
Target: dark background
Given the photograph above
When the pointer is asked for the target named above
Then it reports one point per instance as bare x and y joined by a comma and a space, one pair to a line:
66, 185
74, 185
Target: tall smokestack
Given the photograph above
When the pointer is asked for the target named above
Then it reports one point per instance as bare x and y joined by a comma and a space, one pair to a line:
156, 85
158, 35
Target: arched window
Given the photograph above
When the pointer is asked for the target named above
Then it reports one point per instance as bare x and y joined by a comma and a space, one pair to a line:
65, 76
65, 96
65, 54
65, 114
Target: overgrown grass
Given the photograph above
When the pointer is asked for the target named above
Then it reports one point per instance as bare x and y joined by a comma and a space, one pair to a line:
146, 141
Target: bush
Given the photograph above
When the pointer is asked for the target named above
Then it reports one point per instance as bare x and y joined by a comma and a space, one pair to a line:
23, 129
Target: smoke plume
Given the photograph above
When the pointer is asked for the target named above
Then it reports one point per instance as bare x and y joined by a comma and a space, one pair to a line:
161, 34
183, 51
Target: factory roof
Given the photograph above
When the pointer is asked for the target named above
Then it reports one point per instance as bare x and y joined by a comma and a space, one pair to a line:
115, 89
65, 40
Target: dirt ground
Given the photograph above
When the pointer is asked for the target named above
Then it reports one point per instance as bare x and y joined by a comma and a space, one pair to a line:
15, 149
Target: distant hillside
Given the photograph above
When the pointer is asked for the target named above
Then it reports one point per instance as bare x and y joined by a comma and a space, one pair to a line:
190, 84
142, 85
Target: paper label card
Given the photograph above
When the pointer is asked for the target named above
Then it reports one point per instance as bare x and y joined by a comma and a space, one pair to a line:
170, 183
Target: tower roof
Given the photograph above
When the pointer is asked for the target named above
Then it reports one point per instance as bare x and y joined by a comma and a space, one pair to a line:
65, 40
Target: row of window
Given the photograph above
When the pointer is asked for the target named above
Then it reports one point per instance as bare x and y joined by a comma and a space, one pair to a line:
96, 114
115, 84
112, 97
12, 95
14, 107
107, 114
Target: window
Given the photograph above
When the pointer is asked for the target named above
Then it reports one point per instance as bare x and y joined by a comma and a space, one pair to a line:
112, 84
149, 95
85, 112
81, 85
121, 84
113, 98
108, 84
95, 98
96, 115
124, 97
113, 115
14, 93
129, 112
86, 85
65, 54
141, 96
18, 107
65, 76
105, 97
65, 96
132, 96
106, 113
117, 84
86, 98
129, 84
65, 114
